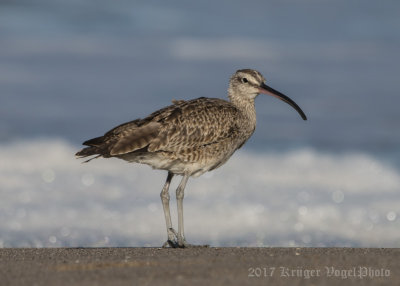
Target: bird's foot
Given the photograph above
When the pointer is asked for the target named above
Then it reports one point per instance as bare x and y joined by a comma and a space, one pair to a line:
175, 244
183, 244
177, 241
172, 238
170, 243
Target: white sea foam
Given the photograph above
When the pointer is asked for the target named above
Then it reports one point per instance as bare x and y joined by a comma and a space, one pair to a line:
301, 197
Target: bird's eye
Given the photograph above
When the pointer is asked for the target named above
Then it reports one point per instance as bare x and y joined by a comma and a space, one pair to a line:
244, 80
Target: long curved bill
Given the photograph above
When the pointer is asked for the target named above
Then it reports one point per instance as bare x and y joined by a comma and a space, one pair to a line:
270, 91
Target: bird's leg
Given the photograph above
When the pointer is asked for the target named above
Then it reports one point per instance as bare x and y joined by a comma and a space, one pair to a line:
172, 235
179, 199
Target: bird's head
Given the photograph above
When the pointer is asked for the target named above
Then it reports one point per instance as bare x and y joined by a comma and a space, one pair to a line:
246, 84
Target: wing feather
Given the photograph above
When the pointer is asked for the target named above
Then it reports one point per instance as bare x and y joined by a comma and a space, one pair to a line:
196, 123
181, 127
131, 140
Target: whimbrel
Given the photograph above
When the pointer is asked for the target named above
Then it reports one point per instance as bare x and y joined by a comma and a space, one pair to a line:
188, 138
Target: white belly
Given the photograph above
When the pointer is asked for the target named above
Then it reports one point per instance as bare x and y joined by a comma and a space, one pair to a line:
176, 166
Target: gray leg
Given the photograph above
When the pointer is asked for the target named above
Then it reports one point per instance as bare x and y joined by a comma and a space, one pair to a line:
172, 235
179, 199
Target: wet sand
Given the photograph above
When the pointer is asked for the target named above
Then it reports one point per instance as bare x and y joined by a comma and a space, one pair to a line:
200, 266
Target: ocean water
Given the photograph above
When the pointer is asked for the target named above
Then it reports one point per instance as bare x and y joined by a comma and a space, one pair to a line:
69, 71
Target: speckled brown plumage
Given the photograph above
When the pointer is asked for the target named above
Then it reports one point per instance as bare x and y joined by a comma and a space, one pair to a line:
198, 130
188, 137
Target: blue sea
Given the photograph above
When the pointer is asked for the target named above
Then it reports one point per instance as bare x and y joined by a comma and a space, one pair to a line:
72, 70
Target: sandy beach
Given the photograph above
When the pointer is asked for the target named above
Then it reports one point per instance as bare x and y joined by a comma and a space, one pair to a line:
199, 266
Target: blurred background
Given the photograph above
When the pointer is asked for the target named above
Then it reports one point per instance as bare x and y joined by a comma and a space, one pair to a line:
71, 70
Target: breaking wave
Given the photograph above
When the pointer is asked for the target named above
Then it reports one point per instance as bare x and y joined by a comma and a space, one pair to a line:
295, 198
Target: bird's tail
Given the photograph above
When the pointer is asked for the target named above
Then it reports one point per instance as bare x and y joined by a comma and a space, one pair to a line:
88, 151
93, 149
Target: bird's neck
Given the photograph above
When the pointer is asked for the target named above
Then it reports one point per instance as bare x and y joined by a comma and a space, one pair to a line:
247, 109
